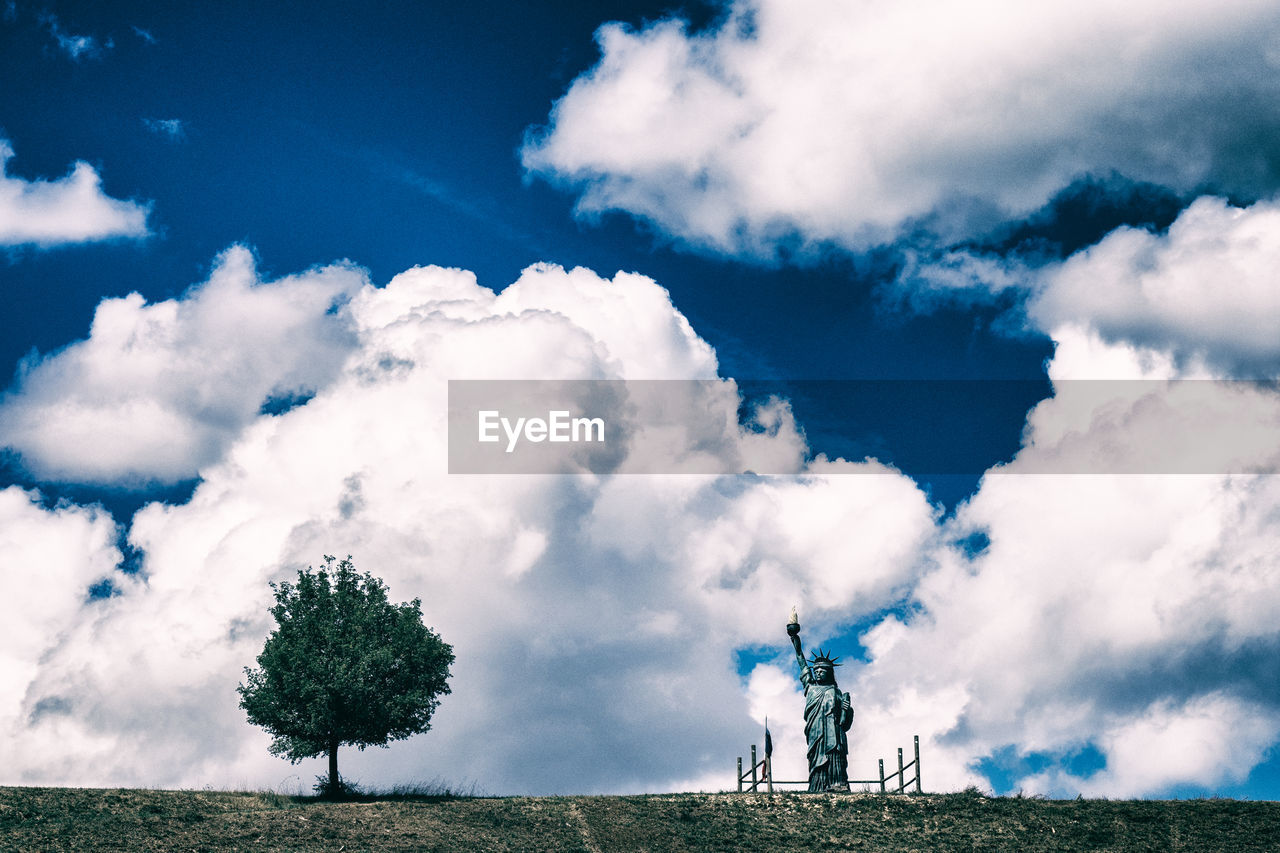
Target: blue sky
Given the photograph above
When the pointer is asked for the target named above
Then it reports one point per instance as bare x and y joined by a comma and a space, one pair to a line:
246, 248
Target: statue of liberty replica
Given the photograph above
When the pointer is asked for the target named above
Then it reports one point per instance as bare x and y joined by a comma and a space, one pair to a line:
827, 716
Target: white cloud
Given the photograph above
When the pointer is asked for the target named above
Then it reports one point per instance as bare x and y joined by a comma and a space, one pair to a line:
1197, 300
173, 128
157, 391
75, 46
594, 619
926, 279
52, 558
1209, 741
846, 123
72, 209
1101, 602
1204, 292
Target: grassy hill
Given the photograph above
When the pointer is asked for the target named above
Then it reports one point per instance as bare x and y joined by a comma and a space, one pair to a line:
137, 820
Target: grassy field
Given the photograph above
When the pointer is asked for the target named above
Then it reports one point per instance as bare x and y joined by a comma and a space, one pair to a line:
137, 820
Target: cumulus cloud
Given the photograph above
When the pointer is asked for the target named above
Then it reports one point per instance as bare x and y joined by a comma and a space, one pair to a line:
72, 209
594, 618
52, 558
158, 390
1204, 292
1108, 612
809, 122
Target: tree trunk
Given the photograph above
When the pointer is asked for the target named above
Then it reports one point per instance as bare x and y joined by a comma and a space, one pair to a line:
333, 768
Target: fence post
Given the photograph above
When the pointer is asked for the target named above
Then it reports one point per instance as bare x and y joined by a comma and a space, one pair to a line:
739, 774
881, 775
768, 771
902, 780
753, 768
919, 790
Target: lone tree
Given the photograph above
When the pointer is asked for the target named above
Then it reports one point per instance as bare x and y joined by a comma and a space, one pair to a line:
344, 665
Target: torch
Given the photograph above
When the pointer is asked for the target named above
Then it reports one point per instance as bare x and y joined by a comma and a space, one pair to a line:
793, 631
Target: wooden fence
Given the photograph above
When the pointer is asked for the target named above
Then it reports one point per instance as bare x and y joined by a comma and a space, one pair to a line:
761, 773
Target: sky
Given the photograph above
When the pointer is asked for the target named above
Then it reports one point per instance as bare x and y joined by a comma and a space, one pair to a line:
975, 307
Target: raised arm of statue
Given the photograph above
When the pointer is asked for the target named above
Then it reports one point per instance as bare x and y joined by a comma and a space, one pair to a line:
806, 672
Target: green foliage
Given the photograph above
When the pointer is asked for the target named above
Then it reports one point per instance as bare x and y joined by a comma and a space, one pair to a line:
344, 665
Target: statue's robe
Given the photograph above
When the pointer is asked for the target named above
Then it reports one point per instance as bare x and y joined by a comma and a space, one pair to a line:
827, 718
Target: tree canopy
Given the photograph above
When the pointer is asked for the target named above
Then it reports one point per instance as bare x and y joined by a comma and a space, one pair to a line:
344, 665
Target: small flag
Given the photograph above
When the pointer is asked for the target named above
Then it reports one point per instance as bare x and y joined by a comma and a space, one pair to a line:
768, 739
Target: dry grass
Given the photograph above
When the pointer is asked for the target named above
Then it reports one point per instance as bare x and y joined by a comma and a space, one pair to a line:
139, 820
